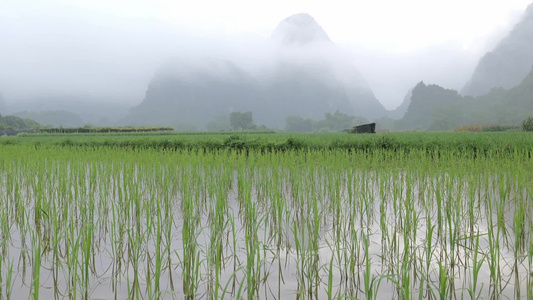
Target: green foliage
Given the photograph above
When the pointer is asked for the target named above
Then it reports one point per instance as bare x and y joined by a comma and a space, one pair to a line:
499, 128
457, 143
527, 125
488, 128
90, 129
339, 121
234, 142
242, 120
332, 122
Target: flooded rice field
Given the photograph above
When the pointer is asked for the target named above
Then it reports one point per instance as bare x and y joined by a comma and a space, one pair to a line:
114, 224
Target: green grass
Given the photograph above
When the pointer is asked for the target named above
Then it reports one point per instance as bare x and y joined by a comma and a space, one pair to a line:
465, 143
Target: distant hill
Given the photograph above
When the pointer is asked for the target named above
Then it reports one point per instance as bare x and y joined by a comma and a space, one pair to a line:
304, 75
509, 62
435, 108
425, 104
16, 123
506, 106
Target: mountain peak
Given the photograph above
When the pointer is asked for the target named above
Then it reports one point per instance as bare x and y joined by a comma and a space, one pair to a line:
300, 29
508, 63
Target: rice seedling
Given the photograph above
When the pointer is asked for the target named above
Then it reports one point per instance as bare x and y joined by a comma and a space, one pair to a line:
36, 261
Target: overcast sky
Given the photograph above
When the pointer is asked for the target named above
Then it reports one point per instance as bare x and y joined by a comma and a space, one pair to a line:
111, 48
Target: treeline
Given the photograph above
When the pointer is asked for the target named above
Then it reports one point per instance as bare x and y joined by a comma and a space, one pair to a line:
104, 129
489, 128
332, 122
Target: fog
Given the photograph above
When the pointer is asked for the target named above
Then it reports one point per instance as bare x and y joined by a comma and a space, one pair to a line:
93, 56
54, 49
391, 75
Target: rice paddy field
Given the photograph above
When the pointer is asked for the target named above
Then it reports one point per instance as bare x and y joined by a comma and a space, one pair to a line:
267, 216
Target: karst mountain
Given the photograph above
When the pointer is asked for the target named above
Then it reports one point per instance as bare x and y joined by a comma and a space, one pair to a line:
304, 74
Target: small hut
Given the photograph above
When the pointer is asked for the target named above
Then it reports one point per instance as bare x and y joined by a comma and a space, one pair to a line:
365, 128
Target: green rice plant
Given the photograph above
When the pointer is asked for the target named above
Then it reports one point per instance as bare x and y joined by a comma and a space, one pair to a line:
86, 244
429, 251
251, 223
443, 282
529, 279
158, 268
117, 246
493, 256
476, 267
217, 228
36, 260
519, 229
9, 281
191, 255
371, 282
527, 124
134, 260
329, 290
73, 250
298, 244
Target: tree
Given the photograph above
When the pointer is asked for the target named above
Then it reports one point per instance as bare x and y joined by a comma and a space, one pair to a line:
338, 121
299, 124
242, 120
527, 125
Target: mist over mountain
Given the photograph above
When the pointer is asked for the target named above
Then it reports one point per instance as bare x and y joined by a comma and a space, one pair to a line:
508, 63
435, 108
70, 110
401, 110
300, 72
510, 106
182, 93
299, 29
58, 118
110, 71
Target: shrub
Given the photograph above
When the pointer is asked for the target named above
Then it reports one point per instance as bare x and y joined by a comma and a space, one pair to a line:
488, 128
234, 142
527, 125
471, 128
497, 128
